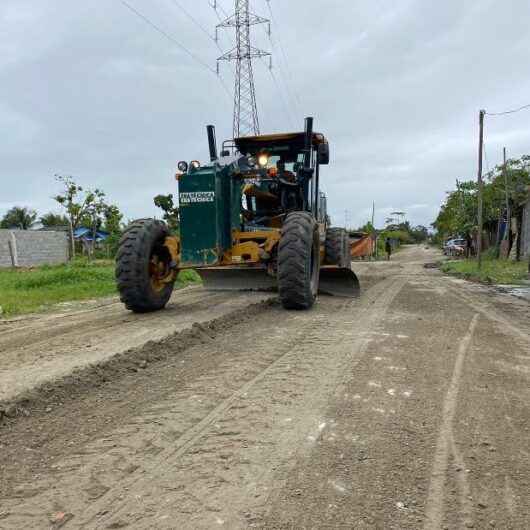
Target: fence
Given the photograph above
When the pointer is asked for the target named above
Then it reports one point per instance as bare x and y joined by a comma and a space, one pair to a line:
29, 248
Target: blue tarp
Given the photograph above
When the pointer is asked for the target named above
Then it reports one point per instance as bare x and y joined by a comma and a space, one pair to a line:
86, 233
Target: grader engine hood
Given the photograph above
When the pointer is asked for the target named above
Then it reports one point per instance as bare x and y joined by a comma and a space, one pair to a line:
209, 210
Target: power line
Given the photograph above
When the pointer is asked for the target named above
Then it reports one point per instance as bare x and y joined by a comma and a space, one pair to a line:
286, 105
217, 4
508, 111
282, 71
174, 41
280, 91
219, 17
194, 20
282, 49
200, 26
167, 35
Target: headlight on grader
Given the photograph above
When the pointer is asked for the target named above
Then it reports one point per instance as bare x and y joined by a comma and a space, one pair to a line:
195, 164
263, 160
182, 167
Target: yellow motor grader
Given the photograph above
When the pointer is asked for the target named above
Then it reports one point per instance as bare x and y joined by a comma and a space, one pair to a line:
253, 218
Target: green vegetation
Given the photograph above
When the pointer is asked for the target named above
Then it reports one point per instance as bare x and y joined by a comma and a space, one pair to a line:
171, 212
493, 271
89, 208
505, 192
20, 217
29, 290
398, 230
53, 220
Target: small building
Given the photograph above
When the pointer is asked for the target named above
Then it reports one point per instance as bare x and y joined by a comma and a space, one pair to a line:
89, 239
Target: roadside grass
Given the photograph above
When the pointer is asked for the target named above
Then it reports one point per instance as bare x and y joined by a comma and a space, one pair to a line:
38, 289
493, 271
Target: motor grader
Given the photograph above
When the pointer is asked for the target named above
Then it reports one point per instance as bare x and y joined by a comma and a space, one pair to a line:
253, 218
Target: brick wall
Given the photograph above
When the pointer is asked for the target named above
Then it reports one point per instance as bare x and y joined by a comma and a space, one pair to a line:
34, 247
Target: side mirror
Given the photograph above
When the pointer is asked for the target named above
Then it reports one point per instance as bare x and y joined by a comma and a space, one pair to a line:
323, 154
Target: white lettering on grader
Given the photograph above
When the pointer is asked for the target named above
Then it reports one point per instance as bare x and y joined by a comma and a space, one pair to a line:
197, 196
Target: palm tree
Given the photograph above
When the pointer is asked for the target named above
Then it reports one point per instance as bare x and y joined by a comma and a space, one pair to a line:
53, 219
19, 217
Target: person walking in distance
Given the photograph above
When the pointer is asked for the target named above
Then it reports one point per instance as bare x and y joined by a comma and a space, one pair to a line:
388, 248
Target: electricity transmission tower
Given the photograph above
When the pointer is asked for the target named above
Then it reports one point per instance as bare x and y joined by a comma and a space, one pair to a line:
246, 121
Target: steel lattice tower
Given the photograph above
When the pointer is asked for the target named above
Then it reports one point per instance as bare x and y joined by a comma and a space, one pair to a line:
246, 121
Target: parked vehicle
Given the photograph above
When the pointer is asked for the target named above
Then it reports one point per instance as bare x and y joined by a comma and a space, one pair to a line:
455, 247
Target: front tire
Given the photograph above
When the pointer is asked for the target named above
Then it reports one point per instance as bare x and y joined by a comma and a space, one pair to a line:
143, 273
298, 261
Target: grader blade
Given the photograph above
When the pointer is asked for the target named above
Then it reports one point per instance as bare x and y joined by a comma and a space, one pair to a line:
339, 281
237, 279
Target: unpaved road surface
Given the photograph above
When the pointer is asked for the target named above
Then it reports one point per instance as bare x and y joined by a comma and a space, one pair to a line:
407, 408
40, 348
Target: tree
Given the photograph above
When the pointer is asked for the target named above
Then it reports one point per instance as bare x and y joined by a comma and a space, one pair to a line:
50, 220
367, 227
78, 203
399, 216
113, 218
83, 207
19, 217
419, 233
113, 225
171, 212
458, 214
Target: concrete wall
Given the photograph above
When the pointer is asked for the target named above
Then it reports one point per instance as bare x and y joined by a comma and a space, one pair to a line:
34, 247
525, 232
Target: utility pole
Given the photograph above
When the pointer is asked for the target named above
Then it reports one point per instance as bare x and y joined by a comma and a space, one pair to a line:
508, 213
374, 234
480, 187
245, 120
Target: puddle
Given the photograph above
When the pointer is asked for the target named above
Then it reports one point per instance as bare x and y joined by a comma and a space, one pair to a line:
519, 291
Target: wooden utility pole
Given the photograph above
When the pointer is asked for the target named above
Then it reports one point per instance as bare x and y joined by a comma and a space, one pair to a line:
374, 234
480, 186
508, 213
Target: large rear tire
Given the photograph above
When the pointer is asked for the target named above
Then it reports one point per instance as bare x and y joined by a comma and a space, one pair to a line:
143, 274
337, 248
298, 261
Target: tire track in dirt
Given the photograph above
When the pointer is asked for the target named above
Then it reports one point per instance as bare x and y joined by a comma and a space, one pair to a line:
195, 421
40, 354
41, 331
485, 309
367, 470
445, 445
305, 357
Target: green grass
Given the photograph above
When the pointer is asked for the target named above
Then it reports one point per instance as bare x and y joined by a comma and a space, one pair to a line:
493, 271
30, 290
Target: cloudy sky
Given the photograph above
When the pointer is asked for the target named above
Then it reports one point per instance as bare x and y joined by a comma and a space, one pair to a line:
89, 89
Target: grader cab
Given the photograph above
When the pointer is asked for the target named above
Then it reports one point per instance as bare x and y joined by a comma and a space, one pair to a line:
254, 218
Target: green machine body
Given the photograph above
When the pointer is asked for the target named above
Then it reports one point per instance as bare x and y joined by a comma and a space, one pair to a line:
210, 210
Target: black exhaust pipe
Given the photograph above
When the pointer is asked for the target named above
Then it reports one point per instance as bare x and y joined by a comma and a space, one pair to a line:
308, 142
212, 142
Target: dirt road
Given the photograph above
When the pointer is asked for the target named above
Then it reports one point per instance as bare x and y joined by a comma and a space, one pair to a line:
38, 349
408, 408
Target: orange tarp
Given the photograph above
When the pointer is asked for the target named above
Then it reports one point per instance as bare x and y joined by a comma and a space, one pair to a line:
362, 247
